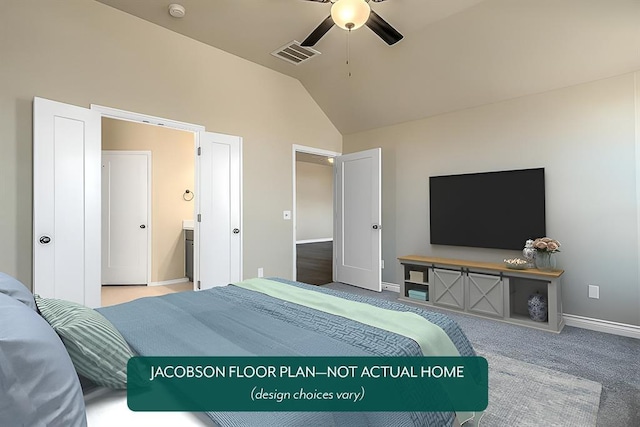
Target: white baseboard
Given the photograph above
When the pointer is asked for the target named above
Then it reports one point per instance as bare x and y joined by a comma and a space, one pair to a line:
386, 286
600, 325
301, 242
169, 282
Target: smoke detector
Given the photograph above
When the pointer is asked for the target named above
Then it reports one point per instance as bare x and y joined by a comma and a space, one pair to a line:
176, 10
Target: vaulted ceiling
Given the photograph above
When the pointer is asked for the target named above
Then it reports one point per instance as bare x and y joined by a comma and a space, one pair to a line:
455, 54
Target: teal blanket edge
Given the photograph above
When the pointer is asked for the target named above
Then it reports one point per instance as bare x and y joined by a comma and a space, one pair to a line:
433, 341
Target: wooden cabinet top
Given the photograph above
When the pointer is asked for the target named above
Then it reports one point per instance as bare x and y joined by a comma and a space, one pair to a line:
500, 267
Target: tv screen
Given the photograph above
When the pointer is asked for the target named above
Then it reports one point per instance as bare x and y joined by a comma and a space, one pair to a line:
487, 210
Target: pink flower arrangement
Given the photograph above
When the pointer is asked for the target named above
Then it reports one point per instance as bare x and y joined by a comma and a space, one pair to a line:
546, 244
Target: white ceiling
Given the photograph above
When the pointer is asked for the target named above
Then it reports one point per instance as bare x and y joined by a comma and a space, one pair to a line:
455, 54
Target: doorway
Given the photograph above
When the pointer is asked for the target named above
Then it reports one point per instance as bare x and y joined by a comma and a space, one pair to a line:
170, 179
215, 227
357, 212
313, 185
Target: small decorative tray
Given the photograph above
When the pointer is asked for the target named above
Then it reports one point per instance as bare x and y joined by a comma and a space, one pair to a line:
515, 263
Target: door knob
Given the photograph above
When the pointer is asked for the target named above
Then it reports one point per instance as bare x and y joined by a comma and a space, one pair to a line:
143, 226
236, 230
376, 227
45, 239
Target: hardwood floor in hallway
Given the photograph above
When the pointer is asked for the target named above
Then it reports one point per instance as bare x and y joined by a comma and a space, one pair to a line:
314, 263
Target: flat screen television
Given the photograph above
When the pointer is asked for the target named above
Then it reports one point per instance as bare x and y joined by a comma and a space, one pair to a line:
498, 210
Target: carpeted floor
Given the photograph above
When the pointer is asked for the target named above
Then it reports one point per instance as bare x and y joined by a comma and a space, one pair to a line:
526, 395
610, 360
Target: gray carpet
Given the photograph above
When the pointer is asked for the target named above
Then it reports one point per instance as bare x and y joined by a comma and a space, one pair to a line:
525, 395
611, 360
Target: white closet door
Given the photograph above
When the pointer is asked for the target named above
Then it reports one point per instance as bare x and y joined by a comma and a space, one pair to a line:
218, 234
358, 236
125, 217
66, 202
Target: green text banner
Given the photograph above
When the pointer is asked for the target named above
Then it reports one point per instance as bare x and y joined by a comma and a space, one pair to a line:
307, 384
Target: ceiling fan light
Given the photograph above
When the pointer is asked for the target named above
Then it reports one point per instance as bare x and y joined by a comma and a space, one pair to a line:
350, 14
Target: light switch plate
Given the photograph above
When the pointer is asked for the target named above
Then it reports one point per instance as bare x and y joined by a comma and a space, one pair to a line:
286, 214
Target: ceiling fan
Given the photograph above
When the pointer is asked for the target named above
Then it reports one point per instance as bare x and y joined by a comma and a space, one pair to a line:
350, 15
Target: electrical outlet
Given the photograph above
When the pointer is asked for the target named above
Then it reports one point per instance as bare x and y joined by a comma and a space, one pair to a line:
594, 291
260, 272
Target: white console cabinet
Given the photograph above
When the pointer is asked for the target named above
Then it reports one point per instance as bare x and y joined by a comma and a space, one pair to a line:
484, 289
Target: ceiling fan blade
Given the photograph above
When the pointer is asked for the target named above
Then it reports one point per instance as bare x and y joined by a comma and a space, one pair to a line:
382, 28
320, 31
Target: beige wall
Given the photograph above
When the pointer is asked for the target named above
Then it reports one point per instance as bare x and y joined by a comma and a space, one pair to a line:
585, 138
82, 52
314, 201
173, 171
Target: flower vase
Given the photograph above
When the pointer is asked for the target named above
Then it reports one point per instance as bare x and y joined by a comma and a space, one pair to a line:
537, 306
545, 261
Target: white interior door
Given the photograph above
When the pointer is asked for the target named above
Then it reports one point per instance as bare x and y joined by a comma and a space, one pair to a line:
125, 217
218, 237
66, 202
358, 236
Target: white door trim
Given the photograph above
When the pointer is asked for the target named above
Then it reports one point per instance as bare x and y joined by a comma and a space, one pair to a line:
309, 150
149, 204
115, 113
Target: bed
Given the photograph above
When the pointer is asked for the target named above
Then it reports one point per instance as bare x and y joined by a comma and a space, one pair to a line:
247, 319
